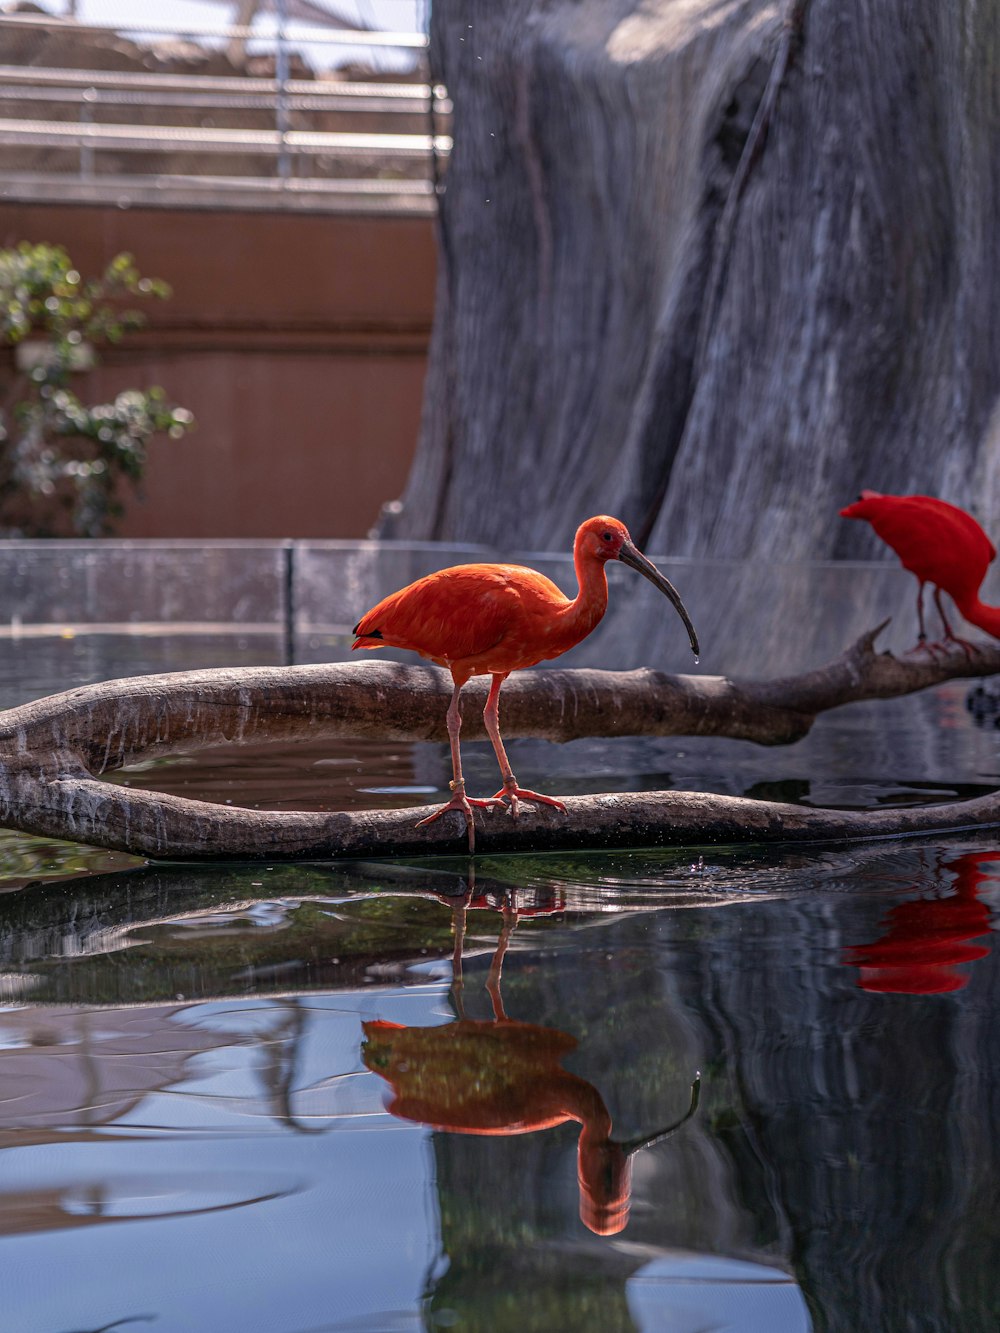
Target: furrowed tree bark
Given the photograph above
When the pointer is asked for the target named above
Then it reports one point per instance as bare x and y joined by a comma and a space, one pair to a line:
711, 267
53, 751
170, 828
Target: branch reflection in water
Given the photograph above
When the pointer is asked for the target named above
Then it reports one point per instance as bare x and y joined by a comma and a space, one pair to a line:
503, 1076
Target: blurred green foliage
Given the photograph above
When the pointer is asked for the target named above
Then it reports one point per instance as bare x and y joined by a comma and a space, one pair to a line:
62, 461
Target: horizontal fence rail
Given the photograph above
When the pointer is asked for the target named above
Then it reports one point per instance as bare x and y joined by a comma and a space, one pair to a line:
307, 595
75, 132
161, 138
312, 33
193, 90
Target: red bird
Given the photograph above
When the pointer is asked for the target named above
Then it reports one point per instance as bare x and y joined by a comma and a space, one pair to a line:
942, 545
490, 620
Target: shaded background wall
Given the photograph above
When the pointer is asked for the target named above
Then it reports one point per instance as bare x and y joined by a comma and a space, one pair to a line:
298, 341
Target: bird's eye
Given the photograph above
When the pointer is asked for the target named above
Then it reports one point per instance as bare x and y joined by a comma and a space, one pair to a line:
606, 536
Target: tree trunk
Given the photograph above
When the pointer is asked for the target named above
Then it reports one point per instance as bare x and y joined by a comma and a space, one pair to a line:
711, 266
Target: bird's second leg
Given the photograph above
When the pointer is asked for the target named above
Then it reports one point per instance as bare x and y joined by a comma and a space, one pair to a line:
510, 791
969, 649
459, 800
922, 635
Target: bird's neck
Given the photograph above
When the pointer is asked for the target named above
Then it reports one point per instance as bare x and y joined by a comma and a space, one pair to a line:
578, 1100
981, 615
590, 603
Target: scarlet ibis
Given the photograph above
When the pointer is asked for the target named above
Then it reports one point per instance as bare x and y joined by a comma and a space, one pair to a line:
942, 545
490, 620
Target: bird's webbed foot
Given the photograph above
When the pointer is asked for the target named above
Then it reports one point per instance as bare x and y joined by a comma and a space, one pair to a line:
511, 792
459, 801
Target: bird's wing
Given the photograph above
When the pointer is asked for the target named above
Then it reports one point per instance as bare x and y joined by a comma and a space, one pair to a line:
449, 615
974, 534
935, 539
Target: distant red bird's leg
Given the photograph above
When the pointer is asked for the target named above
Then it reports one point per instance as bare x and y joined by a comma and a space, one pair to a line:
459, 800
922, 645
922, 636
510, 791
969, 649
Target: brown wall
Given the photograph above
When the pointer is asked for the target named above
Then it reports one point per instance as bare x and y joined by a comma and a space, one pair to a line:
298, 341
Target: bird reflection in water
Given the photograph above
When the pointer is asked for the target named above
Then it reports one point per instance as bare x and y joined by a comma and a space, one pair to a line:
501, 1076
927, 938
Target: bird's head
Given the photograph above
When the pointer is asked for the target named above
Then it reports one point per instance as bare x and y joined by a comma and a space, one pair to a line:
603, 538
604, 1173
862, 507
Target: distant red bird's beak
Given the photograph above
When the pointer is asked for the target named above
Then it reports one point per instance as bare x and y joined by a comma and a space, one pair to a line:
628, 555
859, 509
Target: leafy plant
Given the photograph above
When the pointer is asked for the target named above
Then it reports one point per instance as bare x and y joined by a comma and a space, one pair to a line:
61, 460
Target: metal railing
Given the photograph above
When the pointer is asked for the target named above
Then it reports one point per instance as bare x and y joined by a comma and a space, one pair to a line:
304, 140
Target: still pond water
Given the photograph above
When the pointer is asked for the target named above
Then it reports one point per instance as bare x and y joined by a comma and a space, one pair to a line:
714, 1089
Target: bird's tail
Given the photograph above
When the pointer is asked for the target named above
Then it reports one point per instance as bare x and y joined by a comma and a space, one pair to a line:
981, 615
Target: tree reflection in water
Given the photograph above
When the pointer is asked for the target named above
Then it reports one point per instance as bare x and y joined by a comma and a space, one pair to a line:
502, 1076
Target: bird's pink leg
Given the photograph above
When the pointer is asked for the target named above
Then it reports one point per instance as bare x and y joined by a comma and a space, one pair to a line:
510, 791
459, 800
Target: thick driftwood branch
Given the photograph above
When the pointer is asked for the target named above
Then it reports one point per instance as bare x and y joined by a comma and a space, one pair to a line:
118, 722
166, 827
52, 750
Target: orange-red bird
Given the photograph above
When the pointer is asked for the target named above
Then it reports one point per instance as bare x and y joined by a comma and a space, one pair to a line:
490, 620
942, 545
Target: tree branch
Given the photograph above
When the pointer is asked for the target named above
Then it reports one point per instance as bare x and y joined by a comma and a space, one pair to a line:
52, 751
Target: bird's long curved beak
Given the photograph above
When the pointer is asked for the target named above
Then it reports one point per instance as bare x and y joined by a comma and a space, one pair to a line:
629, 555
